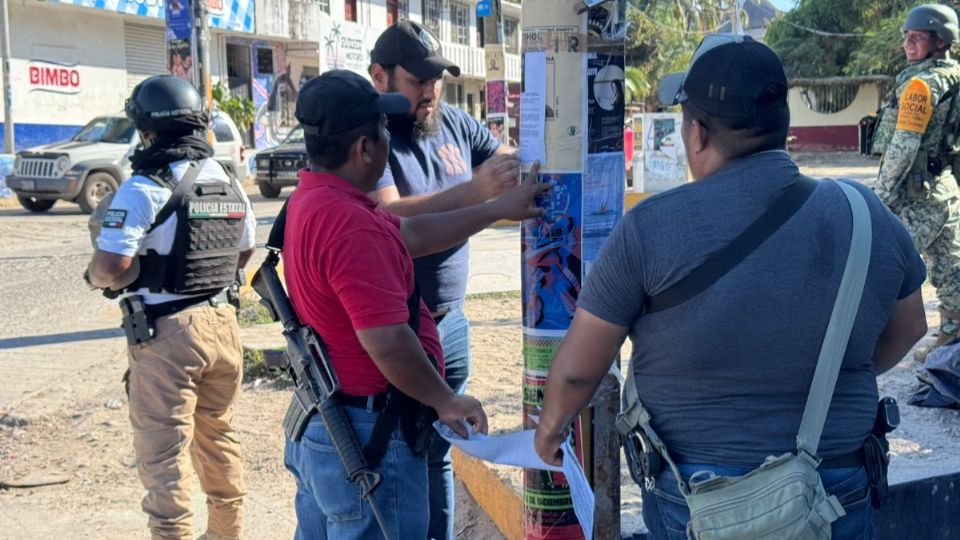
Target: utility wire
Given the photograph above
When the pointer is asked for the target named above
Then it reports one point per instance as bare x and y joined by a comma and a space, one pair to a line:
824, 33
680, 30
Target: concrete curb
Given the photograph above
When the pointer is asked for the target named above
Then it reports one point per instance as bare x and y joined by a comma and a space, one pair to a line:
502, 504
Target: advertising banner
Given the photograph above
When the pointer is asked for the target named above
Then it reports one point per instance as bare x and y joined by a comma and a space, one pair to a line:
179, 37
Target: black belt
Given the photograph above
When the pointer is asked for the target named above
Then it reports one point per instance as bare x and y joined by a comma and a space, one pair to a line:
439, 317
362, 402
851, 459
155, 311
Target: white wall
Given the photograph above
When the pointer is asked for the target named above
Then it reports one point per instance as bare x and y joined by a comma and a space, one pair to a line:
868, 97
88, 43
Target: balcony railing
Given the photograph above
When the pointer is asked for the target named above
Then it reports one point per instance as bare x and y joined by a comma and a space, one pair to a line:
513, 67
470, 59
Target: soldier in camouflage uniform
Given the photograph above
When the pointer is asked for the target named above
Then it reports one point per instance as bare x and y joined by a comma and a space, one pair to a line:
917, 134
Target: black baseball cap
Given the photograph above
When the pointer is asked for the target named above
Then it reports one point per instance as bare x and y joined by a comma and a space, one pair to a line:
414, 48
340, 100
730, 76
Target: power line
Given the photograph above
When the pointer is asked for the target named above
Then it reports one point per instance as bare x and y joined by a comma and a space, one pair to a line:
824, 33
680, 30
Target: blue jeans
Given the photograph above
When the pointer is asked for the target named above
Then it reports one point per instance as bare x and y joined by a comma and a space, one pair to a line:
455, 340
330, 506
666, 514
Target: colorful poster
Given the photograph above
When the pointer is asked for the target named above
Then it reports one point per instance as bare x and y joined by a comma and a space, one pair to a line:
605, 102
664, 158
539, 347
551, 255
181, 49
496, 97
496, 123
603, 191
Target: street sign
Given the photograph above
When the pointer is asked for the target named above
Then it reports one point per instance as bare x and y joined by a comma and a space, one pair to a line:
484, 8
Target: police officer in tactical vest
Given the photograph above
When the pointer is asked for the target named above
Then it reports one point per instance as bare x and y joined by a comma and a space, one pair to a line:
917, 134
170, 244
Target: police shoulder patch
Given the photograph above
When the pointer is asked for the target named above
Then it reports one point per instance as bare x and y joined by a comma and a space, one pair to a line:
114, 218
916, 107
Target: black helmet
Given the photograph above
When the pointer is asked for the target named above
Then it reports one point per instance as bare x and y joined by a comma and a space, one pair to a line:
941, 20
167, 103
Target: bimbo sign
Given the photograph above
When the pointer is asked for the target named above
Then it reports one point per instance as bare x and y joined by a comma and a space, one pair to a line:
53, 77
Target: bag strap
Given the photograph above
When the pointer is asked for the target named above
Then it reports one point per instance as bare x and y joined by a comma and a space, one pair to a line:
841, 322
635, 415
717, 265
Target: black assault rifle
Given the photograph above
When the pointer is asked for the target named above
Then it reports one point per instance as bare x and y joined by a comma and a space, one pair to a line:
315, 383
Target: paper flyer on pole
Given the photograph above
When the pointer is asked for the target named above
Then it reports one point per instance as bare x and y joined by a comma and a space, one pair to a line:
664, 157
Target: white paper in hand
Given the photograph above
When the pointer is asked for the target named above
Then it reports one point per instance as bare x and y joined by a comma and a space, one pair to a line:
580, 491
515, 448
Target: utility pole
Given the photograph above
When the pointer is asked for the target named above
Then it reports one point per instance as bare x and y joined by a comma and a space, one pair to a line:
8, 141
201, 27
571, 121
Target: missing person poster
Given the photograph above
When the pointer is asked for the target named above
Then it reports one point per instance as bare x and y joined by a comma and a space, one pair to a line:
605, 102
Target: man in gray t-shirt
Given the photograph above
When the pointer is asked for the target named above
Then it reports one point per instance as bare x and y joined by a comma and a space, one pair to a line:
725, 375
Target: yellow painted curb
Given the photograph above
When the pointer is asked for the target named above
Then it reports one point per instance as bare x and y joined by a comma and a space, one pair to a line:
250, 271
500, 502
632, 198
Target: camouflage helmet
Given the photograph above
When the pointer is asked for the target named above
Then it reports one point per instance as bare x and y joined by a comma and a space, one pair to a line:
941, 20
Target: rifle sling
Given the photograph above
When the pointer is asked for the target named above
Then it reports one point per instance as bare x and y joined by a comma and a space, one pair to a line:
397, 404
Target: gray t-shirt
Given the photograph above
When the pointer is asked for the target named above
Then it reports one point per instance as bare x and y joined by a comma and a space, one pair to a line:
726, 374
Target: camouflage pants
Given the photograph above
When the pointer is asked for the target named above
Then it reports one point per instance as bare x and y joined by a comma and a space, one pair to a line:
934, 226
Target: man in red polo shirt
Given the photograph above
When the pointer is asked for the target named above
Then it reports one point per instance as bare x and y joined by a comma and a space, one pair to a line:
349, 271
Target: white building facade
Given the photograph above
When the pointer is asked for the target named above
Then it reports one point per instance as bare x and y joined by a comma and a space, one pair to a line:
72, 60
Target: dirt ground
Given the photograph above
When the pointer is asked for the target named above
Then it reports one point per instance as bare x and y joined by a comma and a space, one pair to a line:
74, 435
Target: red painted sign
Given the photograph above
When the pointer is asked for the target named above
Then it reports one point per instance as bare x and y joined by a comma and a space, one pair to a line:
48, 77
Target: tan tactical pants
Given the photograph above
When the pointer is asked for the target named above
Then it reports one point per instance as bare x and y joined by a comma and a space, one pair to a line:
183, 387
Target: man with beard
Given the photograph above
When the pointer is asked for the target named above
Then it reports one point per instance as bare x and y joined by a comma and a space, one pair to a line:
170, 244
440, 159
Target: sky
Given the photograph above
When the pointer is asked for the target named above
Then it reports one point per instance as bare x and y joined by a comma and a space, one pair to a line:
784, 5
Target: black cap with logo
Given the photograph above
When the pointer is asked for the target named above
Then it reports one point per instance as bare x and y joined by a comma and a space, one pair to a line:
340, 100
414, 48
730, 76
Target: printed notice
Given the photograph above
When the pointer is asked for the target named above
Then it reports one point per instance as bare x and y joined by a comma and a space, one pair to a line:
532, 120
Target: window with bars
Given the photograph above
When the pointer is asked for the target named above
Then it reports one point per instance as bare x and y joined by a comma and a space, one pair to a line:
324, 5
431, 15
460, 23
397, 10
510, 43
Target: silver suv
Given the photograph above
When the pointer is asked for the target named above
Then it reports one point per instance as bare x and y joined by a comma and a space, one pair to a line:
92, 164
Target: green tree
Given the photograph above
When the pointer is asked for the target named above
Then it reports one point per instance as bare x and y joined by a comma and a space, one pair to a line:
661, 39
876, 49
240, 110
810, 54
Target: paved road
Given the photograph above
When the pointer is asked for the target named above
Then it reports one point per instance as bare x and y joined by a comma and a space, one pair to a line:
54, 326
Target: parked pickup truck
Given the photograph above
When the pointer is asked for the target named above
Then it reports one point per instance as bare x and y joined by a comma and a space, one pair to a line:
96, 160
279, 166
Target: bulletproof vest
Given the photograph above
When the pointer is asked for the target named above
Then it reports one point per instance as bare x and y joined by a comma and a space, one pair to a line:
206, 246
